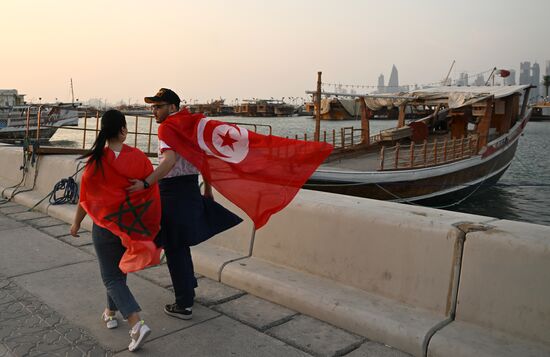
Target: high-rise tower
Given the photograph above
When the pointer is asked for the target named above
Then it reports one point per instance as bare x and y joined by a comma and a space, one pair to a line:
381, 88
393, 83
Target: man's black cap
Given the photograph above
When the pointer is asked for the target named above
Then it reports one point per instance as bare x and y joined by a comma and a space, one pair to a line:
164, 95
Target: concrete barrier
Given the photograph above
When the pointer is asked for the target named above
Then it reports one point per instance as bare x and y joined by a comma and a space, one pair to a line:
40, 179
395, 262
392, 273
11, 159
504, 296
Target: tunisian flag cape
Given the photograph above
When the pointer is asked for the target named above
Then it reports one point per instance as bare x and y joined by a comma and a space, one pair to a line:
261, 174
134, 218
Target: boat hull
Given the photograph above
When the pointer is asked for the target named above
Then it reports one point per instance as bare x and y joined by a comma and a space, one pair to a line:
442, 184
17, 135
17, 123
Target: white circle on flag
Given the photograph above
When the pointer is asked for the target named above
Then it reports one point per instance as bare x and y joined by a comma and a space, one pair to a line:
227, 142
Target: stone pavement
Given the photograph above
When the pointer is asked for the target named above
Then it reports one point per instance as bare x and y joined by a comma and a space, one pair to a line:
51, 299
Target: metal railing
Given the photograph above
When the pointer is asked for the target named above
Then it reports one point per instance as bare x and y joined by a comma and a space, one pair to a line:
141, 131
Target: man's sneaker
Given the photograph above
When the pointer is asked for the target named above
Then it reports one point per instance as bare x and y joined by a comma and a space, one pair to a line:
110, 321
184, 313
138, 334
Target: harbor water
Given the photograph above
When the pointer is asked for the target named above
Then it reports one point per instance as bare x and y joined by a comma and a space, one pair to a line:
522, 193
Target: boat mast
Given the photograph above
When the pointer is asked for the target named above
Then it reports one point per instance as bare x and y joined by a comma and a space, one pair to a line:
491, 75
317, 133
72, 92
449, 73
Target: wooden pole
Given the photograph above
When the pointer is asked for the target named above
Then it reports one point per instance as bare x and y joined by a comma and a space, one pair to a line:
485, 124
365, 125
425, 146
454, 149
435, 151
396, 165
382, 158
401, 117
318, 116
411, 151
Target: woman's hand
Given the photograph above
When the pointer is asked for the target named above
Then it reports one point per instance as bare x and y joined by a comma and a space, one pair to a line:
74, 229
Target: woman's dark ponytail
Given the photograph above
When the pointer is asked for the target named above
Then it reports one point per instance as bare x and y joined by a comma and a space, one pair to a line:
112, 123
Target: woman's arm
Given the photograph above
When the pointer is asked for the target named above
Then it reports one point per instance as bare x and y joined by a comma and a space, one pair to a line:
78, 217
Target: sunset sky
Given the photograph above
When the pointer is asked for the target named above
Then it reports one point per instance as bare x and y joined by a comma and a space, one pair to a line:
125, 50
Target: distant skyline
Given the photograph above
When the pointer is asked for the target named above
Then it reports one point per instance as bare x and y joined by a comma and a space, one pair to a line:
126, 50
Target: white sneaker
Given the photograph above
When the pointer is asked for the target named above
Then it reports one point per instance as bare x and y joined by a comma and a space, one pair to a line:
138, 334
110, 321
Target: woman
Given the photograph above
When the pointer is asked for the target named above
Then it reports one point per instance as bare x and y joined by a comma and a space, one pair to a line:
124, 225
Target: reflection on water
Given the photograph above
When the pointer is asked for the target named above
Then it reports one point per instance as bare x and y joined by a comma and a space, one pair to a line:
523, 192
494, 201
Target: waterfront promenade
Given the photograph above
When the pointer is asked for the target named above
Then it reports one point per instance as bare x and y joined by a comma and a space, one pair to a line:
51, 299
334, 272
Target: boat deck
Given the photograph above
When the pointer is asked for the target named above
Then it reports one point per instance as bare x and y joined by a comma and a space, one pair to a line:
362, 162
445, 150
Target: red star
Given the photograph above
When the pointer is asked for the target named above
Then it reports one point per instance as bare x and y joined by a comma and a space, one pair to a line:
228, 140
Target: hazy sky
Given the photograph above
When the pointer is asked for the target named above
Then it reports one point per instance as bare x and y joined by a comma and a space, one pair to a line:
125, 50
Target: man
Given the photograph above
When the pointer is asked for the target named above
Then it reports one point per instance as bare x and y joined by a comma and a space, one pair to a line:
182, 208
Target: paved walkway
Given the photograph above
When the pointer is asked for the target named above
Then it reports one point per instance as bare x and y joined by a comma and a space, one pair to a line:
51, 299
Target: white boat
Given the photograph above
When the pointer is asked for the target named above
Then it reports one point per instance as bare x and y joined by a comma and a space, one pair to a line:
35, 121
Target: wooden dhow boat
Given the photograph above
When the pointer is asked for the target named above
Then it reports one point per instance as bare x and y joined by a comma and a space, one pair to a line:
465, 142
337, 108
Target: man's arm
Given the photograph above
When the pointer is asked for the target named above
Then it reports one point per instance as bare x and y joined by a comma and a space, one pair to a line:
161, 171
208, 190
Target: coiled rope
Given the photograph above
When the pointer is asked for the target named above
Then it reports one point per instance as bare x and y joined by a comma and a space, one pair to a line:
69, 189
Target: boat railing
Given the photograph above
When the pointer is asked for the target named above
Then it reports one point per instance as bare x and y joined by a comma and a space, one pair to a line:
342, 138
427, 154
21, 117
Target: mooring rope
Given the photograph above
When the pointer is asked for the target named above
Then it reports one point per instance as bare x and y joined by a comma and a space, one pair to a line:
68, 186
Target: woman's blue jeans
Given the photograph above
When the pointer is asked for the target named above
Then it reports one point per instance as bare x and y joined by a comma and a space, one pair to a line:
109, 250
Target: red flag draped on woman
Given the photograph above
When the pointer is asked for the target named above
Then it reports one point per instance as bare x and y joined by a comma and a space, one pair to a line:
135, 218
261, 174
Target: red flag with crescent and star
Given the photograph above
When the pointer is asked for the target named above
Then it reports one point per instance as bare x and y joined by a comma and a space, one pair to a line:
261, 174
135, 217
